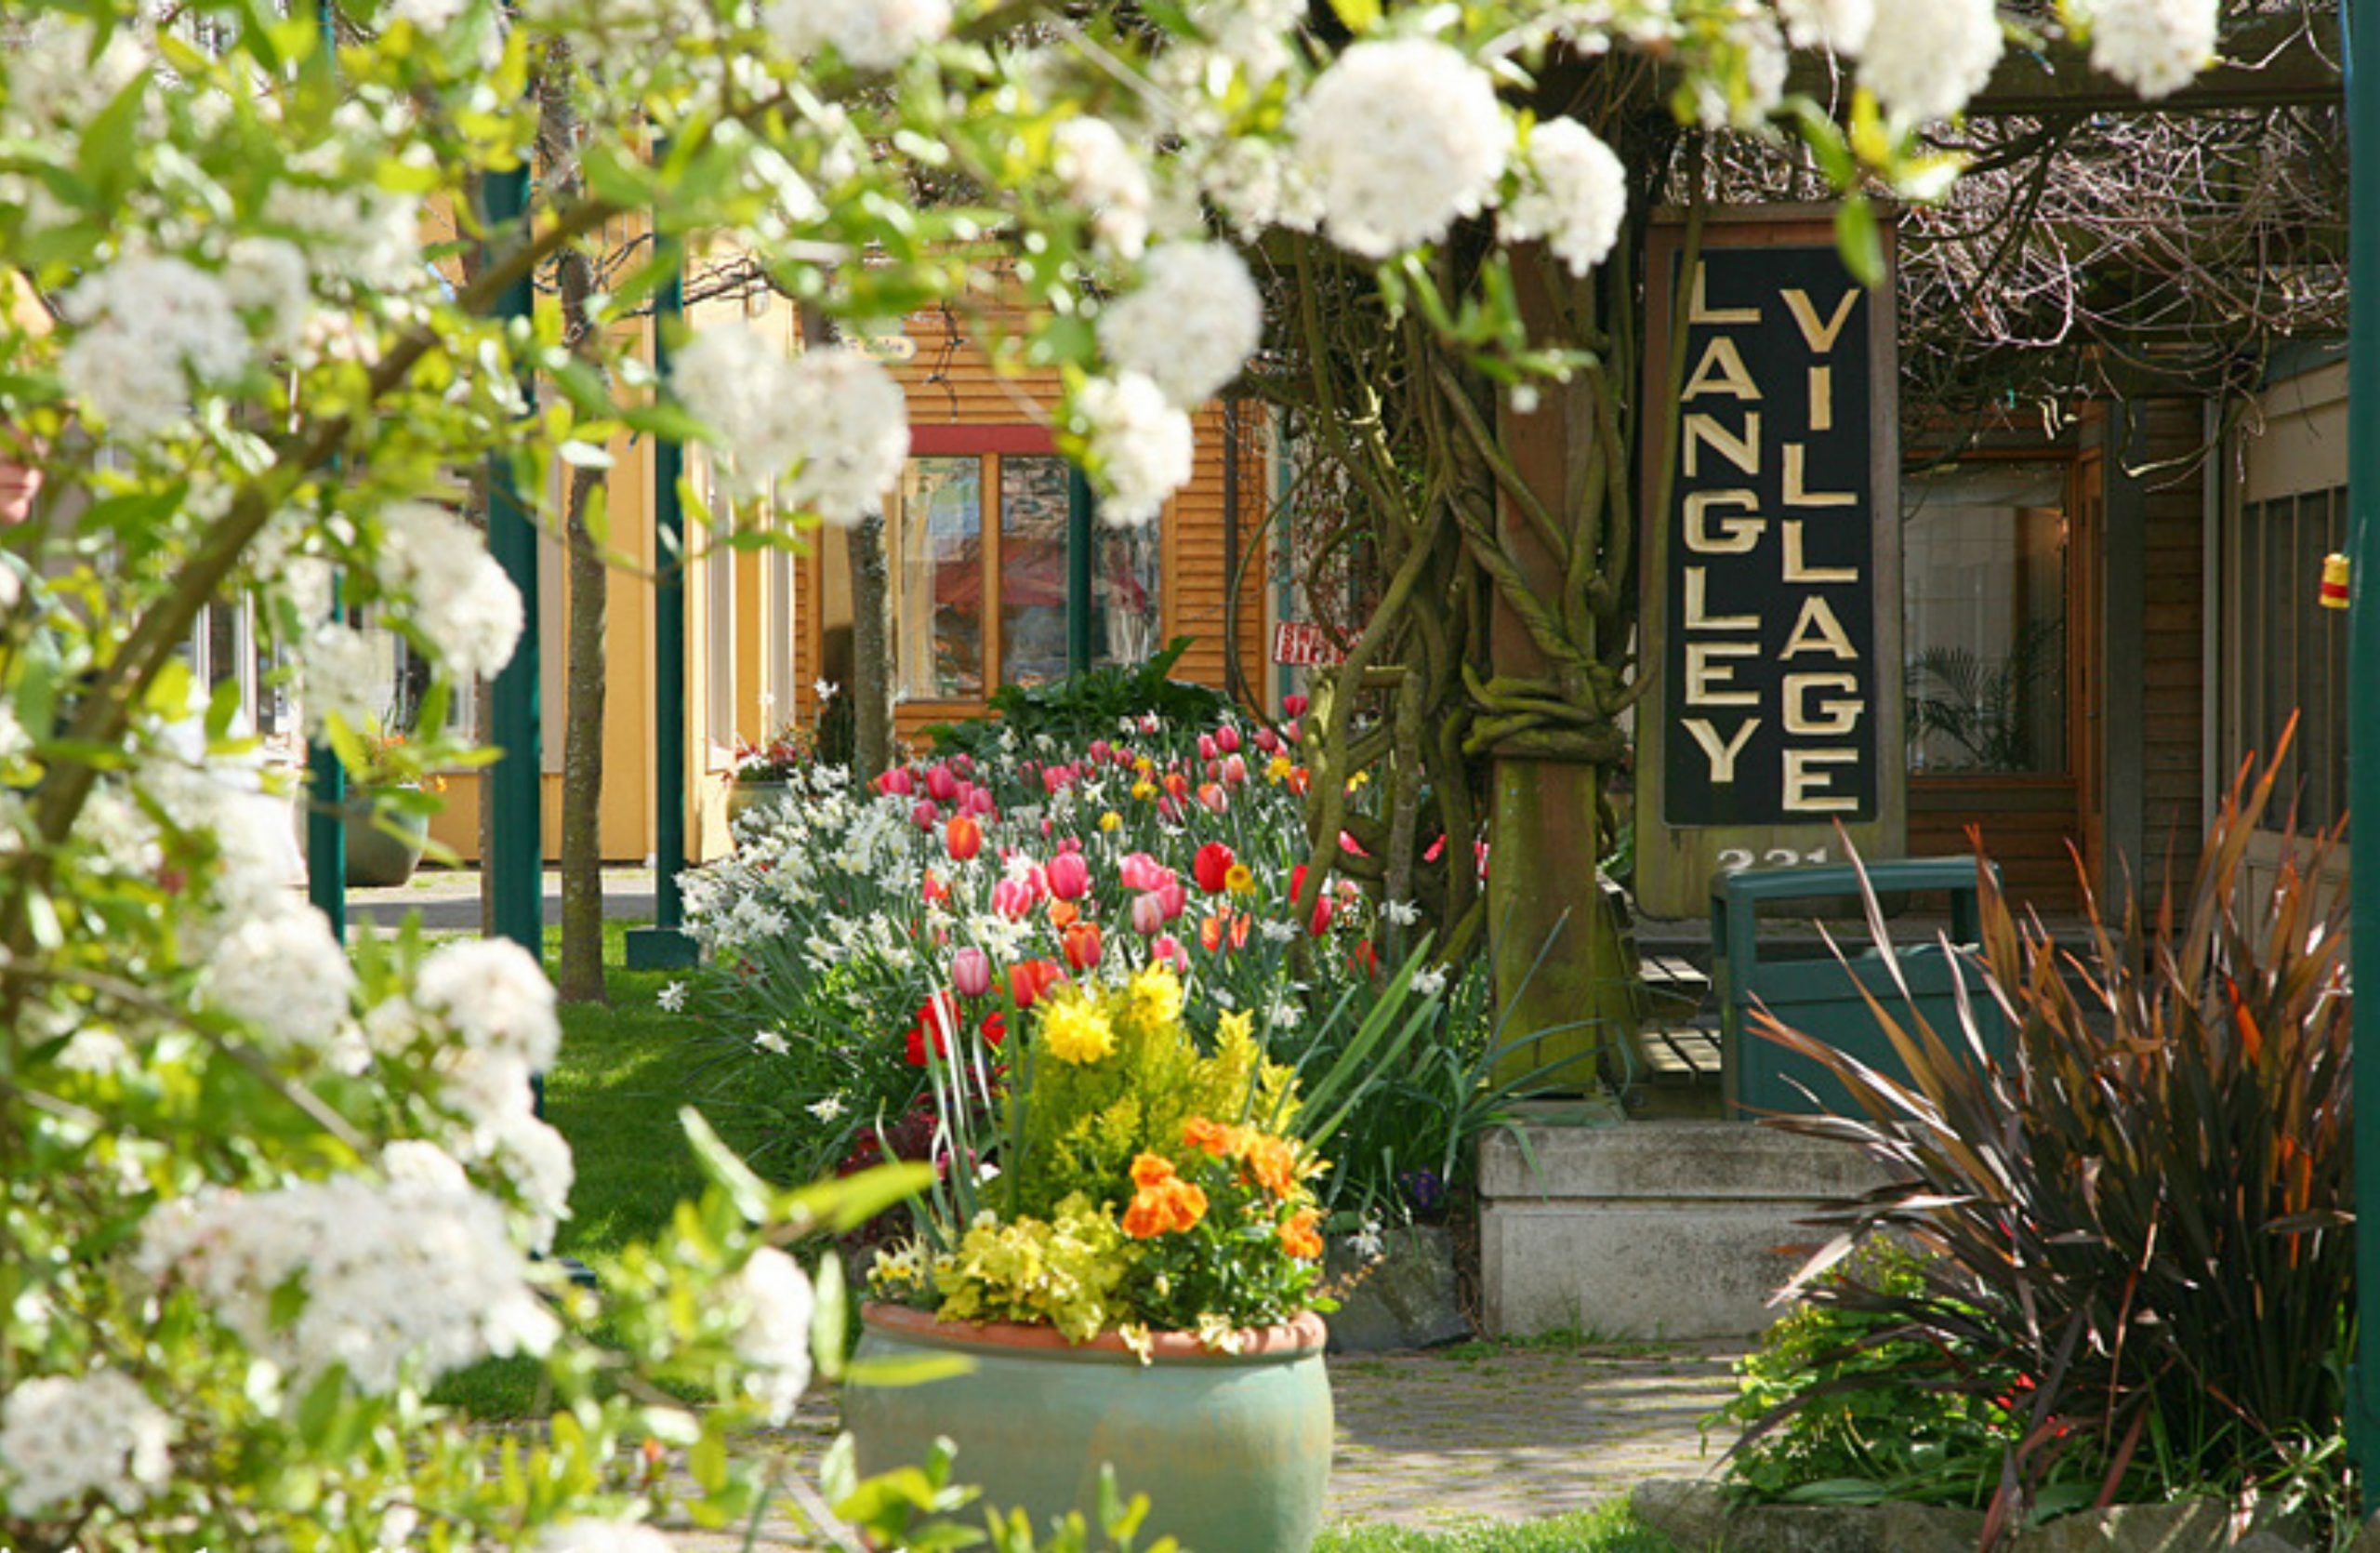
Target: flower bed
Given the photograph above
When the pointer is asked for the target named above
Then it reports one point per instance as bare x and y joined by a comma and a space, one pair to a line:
855, 932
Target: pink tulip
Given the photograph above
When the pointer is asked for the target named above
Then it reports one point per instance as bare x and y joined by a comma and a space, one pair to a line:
1294, 732
1206, 747
1294, 705
1013, 898
897, 780
1140, 872
1235, 771
1172, 898
978, 801
1148, 915
1168, 809
1211, 795
1227, 739
1069, 876
970, 972
942, 784
963, 762
1165, 948
1268, 741
926, 813
1101, 749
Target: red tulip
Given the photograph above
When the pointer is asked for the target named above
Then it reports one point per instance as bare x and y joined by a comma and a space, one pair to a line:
1028, 979
897, 780
1208, 748
993, 1029
927, 815
1210, 866
932, 888
1227, 739
1294, 705
942, 784
963, 837
1319, 922
1267, 740
1082, 946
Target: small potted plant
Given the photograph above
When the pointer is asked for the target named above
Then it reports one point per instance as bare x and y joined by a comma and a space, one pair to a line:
1124, 1244
763, 770
385, 839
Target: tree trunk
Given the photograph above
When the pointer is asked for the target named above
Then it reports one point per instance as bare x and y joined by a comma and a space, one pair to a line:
871, 688
581, 977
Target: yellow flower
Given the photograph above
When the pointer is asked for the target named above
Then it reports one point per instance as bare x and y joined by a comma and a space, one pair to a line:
1144, 789
1358, 779
1277, 768
1235, 1027
1239, 879
1143, 766
1111, 820
1074, 1030
1156, 997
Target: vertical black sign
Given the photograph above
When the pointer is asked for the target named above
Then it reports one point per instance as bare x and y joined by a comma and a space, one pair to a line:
1771, 658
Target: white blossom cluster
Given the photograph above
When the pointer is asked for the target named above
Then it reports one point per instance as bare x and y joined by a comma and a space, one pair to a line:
148, 330
1401, 138
64, 1438
1190, 325
1574, 195
772, 1332
341, 674
285, 975
1140, 443
1102, 175
1925, 61
2154, 46
415, 1271
828, 430
356, 233
869, 35
54, 78
1840, 26
456, 595
482, 1013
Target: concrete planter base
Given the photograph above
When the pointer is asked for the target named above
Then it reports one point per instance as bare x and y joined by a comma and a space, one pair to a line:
1651, 1230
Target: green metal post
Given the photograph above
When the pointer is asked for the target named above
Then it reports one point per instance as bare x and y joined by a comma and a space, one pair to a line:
1080, 508
326, 776
665, 945
517, 849
2361, 21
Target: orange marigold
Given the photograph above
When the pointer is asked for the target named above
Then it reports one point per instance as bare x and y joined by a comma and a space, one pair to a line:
1170, 1206
1213, 1136
1272, 1164
1151, 1169
1297, 1237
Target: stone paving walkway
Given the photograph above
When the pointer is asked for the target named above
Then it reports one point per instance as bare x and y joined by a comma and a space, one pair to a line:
1481, 1431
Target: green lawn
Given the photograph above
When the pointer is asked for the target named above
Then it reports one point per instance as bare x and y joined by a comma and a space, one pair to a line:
1609, 1528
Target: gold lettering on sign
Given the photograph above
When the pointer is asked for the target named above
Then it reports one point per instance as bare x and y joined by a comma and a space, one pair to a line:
1818, 631
1820, 338
1796, 457
1735, 535
1700, 311
1799, 570
1822, 399
1723, 754
1698, 606
1743, 452
1806, 781
1707, 679
1720, 370
1838, 715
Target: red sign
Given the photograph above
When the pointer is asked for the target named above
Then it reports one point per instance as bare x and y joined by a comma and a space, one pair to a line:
1303, 644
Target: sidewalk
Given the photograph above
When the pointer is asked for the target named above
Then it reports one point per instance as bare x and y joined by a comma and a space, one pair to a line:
448, 900
1475, 1432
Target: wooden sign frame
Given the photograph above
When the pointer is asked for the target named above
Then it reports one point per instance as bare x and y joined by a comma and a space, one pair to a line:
1749, 817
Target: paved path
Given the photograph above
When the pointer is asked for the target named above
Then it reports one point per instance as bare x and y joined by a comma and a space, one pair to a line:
1475, 1432
448, 900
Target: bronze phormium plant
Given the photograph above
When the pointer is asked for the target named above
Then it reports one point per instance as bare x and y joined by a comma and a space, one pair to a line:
2142, 1212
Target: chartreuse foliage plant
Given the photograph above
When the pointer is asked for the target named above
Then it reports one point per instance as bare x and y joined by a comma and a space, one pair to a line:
2134, 1232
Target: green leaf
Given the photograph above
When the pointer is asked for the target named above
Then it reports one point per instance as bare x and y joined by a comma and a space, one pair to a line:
1357, 16
1861, 244
748, 1192
907, 1370
830, 1317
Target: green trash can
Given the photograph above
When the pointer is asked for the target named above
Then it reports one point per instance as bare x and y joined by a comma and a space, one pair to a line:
1819, 995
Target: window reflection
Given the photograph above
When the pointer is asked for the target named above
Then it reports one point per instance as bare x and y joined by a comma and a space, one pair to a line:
939, 556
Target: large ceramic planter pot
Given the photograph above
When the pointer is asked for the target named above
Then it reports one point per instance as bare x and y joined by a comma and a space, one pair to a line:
745, 797
1233, 1450
376, 858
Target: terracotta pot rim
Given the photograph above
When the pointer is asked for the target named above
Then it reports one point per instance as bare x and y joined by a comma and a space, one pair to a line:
1304, 1335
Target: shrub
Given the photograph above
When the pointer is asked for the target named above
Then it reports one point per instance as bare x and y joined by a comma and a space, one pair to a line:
2142, 1214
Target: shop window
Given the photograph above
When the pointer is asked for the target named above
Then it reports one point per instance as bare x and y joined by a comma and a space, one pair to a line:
2293, 657
979, 551
1984, 618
